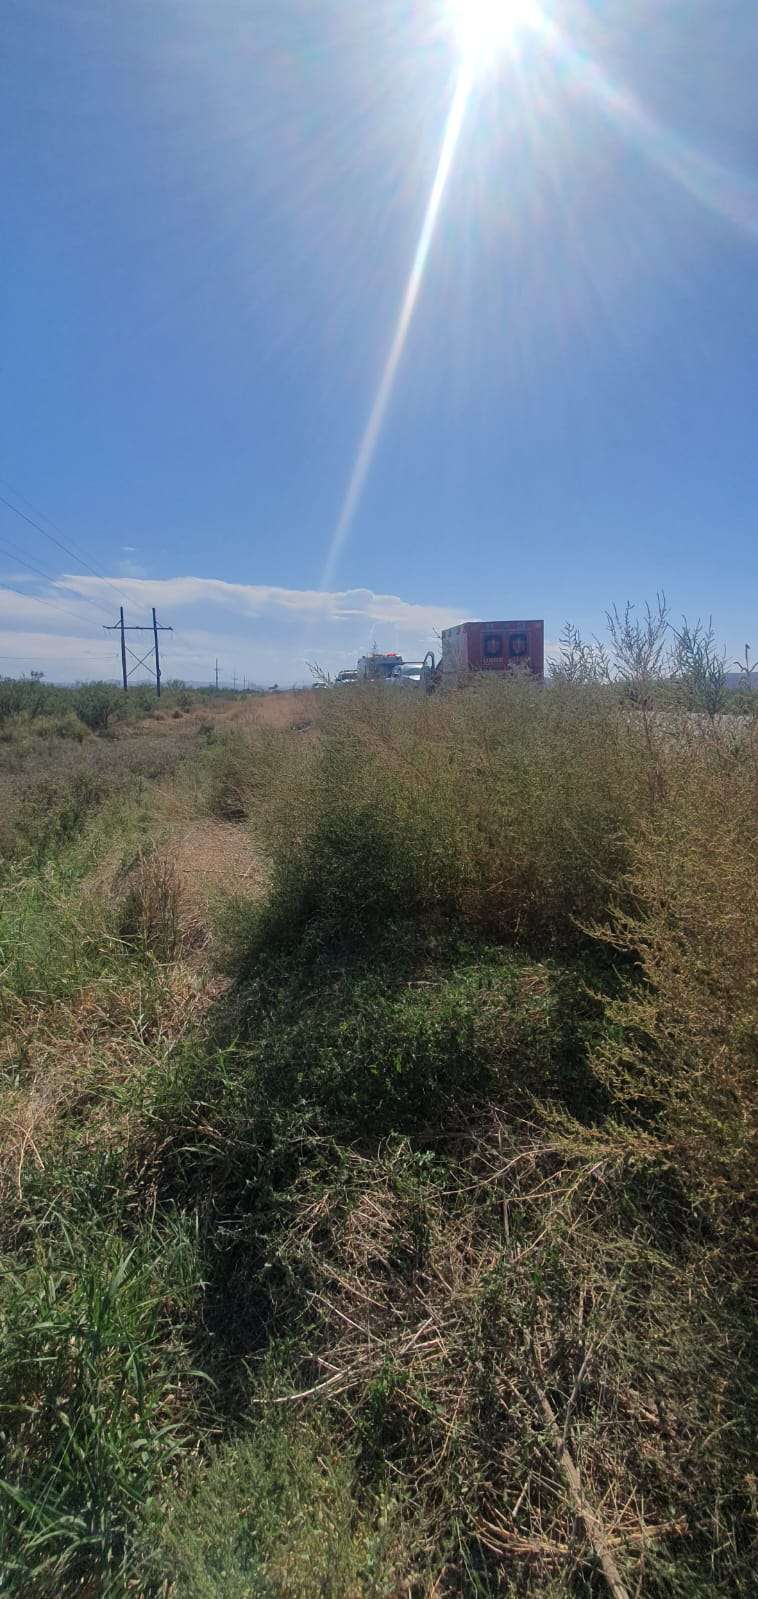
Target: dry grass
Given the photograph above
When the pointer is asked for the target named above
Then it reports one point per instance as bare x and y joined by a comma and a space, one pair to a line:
83, 1057
214, 860
683, 1044
449, 1315
79, 1048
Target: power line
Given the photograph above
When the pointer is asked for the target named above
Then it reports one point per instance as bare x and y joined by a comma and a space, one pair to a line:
60, 544
36, 599
13, 555
92, 655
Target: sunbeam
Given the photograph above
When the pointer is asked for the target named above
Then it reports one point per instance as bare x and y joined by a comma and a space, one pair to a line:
731, 195
485, 30
369, 441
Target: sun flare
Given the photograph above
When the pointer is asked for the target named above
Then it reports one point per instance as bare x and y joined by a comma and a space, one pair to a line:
485, 27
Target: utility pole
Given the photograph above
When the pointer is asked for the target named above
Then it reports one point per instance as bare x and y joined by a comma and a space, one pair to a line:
157, 658
217, 674
123, 649
155, 628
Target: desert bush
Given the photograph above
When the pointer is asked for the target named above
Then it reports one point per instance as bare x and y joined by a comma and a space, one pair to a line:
49, 941
31, 697
248, 771
96, 704
426, 1292
698, 668
52, 811
22, 730
579, 661
504, 804
638, 646
448, 1296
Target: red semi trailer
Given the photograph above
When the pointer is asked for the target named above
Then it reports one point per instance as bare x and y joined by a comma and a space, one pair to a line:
493, 647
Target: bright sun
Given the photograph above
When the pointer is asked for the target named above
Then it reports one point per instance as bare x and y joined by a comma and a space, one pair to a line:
485, 26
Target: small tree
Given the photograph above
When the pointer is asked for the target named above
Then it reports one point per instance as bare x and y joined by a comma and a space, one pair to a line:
580, 662
698, 667
94, 705
638, 645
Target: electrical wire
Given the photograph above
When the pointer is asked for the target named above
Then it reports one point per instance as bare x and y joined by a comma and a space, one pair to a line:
61, 546
13, 555
36, 599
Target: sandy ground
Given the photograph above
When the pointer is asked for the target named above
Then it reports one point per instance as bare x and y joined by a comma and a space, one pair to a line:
211, 859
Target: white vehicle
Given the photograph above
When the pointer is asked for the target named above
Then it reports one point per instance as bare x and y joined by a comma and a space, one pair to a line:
411, 672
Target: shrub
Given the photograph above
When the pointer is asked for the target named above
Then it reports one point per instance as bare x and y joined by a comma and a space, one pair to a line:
276, 1514
53, 810
30, 697
96, 704
250, 771
504, 804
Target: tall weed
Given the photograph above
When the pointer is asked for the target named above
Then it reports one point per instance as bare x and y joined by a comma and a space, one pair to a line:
505, 805
681, 1051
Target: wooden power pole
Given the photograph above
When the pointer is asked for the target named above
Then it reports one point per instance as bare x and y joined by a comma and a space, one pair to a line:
124, 672
155, 628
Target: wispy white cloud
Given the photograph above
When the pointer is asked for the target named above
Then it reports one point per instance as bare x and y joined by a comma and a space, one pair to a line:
257, 600
39, 610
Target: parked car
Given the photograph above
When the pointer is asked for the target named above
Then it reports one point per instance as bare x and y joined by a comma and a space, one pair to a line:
409, 673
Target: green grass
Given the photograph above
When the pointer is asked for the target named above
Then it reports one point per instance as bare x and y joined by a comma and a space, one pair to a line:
92, 1369
277, 1512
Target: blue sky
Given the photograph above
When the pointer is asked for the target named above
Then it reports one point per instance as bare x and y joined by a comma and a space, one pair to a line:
210, 214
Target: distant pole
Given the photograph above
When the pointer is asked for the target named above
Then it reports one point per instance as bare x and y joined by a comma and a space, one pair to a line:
157, 657
123, 650
217, 674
